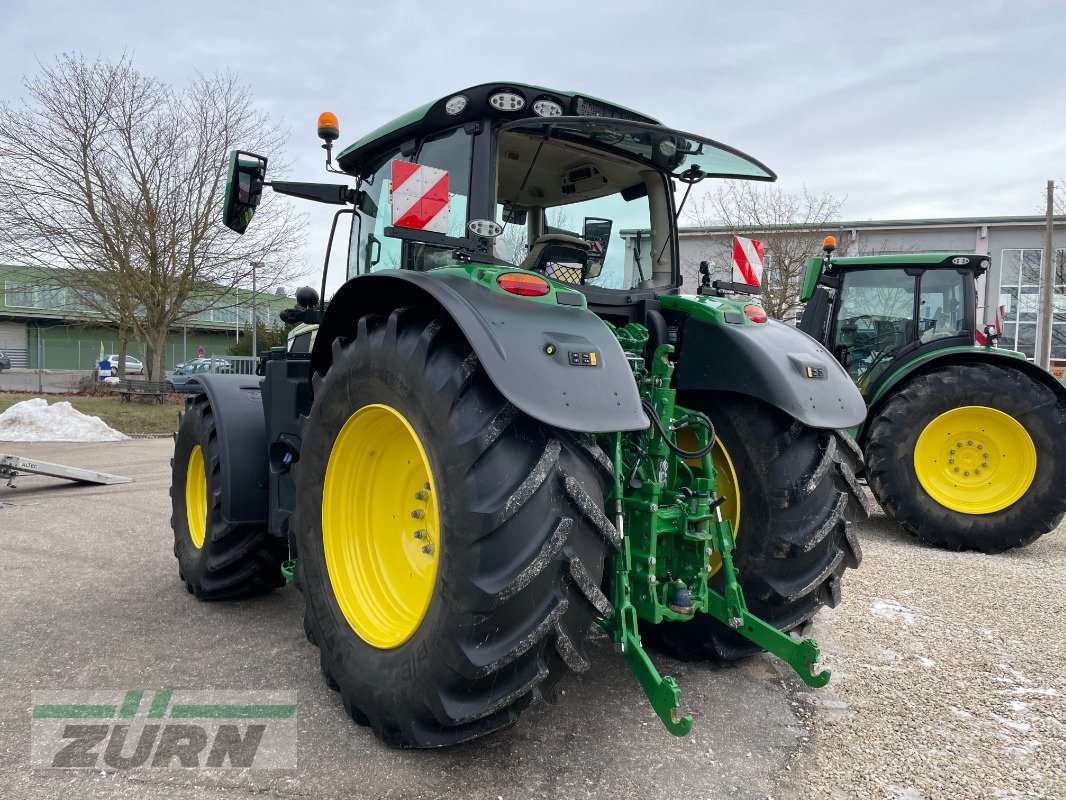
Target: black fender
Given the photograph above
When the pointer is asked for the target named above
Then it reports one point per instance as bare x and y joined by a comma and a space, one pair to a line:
523, 345
772, 362
946, 358
237, 404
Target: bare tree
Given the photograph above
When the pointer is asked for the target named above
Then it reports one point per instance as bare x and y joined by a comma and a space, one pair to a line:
117, 180
790, 225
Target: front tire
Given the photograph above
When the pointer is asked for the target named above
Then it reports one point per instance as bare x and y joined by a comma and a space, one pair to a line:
795, 492
217, 560
497, 610
971, 457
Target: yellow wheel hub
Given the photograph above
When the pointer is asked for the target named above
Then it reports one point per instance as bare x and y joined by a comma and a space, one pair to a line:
975, 460
380, 526
196, 497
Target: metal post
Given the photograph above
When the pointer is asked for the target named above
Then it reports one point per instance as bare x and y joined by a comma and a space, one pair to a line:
1044, 314
255, 320
40, 361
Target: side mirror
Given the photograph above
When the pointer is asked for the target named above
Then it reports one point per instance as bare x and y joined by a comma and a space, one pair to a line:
244, 189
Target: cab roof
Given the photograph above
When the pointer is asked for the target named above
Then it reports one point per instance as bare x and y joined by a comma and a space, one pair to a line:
433, 116
975, 261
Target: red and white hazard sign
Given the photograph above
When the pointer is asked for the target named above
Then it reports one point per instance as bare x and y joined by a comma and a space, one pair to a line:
747, 261
419, 197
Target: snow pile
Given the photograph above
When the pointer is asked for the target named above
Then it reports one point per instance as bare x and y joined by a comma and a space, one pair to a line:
36, 421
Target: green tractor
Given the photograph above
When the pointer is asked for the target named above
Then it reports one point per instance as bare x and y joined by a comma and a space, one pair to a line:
965, 443
507, 426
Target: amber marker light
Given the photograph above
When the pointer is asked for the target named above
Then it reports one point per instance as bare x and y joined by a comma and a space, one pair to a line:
328, 127
523, 284
829, 243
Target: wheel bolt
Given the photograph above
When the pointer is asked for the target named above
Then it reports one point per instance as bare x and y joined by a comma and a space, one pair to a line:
425, 485
958, 444
951, 452
977, 472
956, 469
418, 513
421, 495
966, 473
420, 534
969, 441
951, 460
980, 446
427, 549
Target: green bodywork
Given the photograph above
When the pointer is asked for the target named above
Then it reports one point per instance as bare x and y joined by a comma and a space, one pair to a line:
814, 266
708, 308
908, 366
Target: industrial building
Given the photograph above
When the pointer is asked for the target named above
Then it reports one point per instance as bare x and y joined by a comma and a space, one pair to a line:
42, 325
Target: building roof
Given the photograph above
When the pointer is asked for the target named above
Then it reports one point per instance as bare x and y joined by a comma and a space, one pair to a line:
887, 224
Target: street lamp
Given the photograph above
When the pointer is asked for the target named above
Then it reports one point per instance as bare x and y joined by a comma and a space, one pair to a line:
255, 349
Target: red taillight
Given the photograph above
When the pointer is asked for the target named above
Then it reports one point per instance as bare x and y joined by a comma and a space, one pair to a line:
755, 313
523, 284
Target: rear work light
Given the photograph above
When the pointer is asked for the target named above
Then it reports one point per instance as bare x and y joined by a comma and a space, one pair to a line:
523, 284
755, 313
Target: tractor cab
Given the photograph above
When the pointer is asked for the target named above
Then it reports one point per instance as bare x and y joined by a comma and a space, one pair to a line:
877, 312
519, 176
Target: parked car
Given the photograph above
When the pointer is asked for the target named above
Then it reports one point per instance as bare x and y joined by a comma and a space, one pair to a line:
198, 366
5, 362
134, 366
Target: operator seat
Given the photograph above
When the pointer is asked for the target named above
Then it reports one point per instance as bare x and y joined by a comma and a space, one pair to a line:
559, 256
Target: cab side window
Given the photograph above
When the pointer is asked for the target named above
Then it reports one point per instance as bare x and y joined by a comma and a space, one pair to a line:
371, 249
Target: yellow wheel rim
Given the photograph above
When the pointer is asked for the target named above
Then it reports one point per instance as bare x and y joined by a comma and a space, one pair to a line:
196, 497
728, 487
728, 484
975, 460
380, 526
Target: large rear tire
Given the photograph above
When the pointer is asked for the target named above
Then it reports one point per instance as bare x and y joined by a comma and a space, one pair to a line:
795, 494
971, 457
216, 560
495, 609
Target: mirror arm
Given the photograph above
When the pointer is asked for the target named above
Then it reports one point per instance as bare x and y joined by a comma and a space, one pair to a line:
336, 194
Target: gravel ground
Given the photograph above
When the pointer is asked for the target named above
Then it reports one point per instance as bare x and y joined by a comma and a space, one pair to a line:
948, 677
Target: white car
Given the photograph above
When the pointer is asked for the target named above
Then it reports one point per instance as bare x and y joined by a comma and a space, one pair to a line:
133, 366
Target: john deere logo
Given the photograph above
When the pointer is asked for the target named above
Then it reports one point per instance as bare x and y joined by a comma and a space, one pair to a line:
121, 730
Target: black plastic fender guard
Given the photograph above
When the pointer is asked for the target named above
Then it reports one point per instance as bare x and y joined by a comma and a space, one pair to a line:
772, 362
559, 364
237, 405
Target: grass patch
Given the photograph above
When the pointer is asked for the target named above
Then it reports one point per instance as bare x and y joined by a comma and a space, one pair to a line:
134, 418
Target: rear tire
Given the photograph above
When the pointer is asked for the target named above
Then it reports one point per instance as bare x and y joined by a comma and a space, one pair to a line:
521, 539
891, 462
798, 496
216, 560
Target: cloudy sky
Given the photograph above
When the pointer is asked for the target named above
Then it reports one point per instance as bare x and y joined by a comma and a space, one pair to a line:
904, 109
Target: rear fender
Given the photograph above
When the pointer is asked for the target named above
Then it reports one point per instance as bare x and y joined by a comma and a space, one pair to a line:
237, 404
772, 362
524, 346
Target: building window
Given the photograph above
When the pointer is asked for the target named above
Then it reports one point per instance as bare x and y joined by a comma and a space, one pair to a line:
1020, 298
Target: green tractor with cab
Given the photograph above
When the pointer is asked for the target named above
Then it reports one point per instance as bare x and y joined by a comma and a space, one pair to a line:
507, 426
965, 443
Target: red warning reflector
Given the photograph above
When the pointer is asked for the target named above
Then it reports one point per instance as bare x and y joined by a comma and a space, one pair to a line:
523, 284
